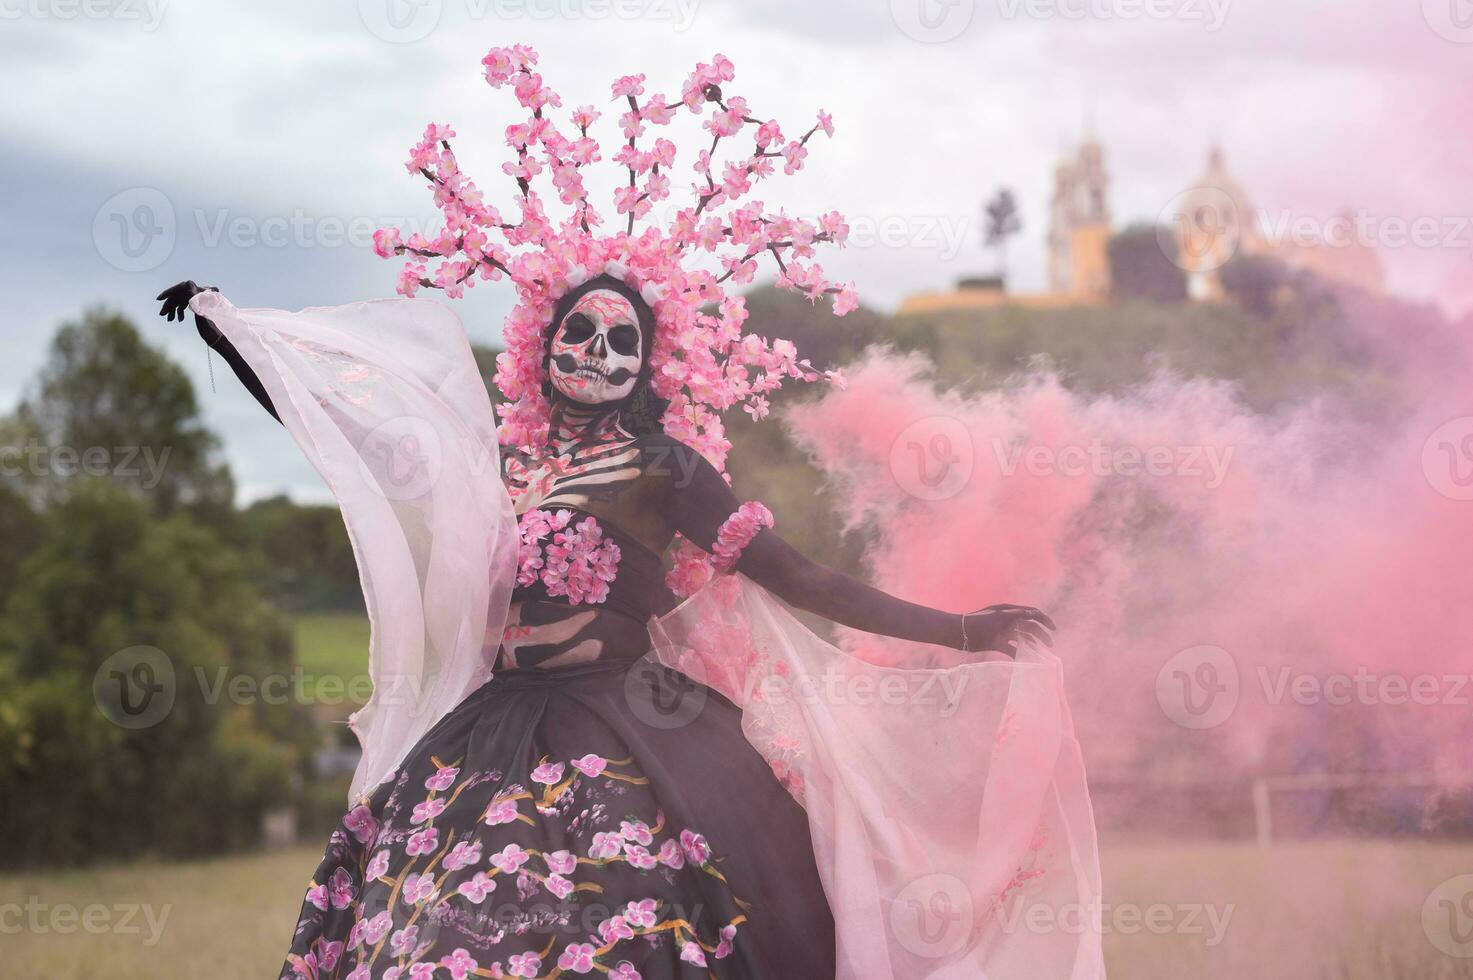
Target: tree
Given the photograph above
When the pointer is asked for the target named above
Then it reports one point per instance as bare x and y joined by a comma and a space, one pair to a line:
108, 404
1002, 222
1257, 282
108, 578
1143, 265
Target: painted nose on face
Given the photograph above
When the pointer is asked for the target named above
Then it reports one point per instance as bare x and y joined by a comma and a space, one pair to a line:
597, 348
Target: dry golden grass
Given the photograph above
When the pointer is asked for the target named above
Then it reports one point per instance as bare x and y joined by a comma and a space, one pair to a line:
1340, 910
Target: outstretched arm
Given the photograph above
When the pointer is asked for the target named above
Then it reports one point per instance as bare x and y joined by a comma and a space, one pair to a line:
176, 301
703, 502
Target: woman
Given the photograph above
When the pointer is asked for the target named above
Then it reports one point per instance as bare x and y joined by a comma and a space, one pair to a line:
586, 809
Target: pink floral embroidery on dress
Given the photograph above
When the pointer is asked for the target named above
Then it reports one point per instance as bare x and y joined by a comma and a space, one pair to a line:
577, 562
738, 531
692, 568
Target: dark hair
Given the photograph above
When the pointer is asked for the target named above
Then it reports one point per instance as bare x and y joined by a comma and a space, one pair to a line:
641, 409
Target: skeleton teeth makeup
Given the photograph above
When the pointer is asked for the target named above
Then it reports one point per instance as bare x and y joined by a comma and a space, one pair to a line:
597, 352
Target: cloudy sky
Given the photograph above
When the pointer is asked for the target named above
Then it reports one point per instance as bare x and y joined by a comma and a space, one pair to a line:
254, 145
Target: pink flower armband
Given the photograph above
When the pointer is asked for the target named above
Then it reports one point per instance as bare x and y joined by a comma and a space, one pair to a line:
738, 531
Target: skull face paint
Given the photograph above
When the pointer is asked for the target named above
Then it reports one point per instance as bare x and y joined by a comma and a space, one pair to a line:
596, 353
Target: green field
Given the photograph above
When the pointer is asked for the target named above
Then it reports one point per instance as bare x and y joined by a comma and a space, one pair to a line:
332, 643
1320, 911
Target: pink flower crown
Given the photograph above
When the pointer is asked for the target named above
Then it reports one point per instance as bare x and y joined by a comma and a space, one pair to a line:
701, 362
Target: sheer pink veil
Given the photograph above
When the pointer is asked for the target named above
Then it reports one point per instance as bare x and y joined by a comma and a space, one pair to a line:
948, 808
385, 400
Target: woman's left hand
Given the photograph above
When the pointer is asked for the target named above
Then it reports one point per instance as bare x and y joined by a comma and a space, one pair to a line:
1003, 627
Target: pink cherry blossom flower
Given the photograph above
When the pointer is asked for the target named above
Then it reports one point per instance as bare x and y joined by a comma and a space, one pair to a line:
500, 811
585, 116
558, 885
510, 858
794, 153
605, 845
548, 773
340, 889
724, 947
635, 830
328, 954
591, 765
578, 957
641, 914
560, 862
443, 779
845, 301
460, 964
477, 888
615, 928
385, 241
826, 123
697, 851
403, 941
624, 970
640, 857
317, 895
524, 965
692, 953
428, 810
378, 927
463, 855
422, 842
417, 888
377, 866
671, 855
628, 85
361, 822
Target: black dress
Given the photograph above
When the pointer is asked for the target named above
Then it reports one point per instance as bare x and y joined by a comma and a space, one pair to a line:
606, 819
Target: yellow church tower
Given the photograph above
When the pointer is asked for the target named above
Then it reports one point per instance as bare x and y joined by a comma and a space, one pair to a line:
1079, 233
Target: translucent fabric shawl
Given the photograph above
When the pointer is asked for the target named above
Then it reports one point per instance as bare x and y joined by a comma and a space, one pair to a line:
948, 809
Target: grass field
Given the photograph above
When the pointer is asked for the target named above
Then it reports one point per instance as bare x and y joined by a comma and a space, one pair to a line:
1318, 911
332, 644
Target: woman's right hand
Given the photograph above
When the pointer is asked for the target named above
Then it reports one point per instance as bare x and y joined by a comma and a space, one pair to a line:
176, 299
